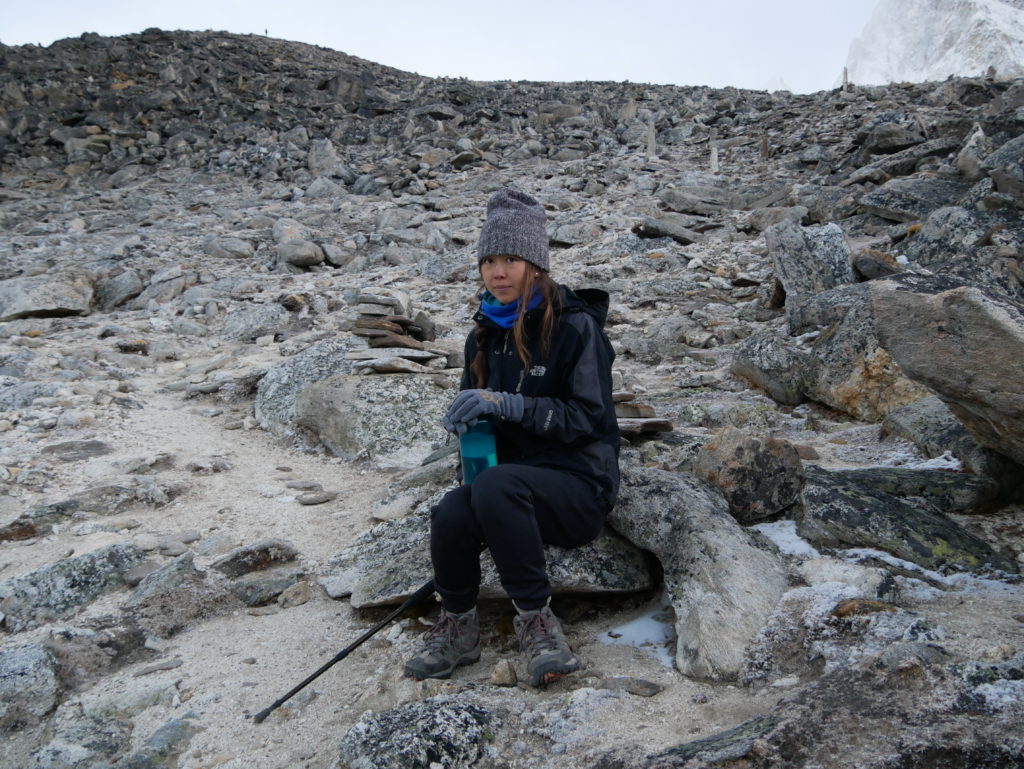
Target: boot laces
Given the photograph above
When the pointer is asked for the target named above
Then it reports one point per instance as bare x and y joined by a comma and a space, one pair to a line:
447, 631
537, 634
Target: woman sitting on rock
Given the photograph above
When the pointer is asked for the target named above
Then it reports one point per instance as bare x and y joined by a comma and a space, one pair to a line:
539, 365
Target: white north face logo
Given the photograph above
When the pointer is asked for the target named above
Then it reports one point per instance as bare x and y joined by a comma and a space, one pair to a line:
538, 371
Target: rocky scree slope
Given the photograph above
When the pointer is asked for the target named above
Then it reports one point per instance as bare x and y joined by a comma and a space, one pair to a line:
236, 277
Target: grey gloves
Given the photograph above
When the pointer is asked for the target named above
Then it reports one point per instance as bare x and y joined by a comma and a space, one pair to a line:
470, 405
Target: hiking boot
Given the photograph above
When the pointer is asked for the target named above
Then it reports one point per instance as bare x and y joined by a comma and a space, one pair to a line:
453, 640
547, 650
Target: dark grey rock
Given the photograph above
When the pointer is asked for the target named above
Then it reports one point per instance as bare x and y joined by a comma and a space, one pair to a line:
114, 291
85, 742
63, 588
933, 428
301, 253
839, 512
75, 451
265, 587
947, 491
911, 200
669, 226
221, 247
759, 477
419, 735
167, 743
175, 595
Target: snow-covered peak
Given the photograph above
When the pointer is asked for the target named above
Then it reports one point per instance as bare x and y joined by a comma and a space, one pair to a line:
918, 40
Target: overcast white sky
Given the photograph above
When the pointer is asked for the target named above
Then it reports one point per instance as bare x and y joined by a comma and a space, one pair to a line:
761, 44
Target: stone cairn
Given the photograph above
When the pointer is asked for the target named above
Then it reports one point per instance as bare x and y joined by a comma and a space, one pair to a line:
395, 337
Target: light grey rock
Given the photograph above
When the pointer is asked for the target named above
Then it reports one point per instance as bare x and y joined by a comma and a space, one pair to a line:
29, 685
393, 419
390, 561
66, 292
847, 367
808, 260
18, 395
440, 731
63, 588
221, 247
249, 323
300, 253
279, 389
775, 363
758, 476
949, 338
114, 291
722, 585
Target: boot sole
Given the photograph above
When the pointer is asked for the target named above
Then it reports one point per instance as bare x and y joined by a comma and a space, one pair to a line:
466, 659
552, 670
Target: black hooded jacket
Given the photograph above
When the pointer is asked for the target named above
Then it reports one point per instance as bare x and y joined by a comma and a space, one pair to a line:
568, 415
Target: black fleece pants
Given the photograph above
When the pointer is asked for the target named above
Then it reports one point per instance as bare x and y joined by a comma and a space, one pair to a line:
513, 510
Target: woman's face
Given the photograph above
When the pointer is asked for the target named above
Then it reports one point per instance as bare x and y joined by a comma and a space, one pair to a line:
504, 276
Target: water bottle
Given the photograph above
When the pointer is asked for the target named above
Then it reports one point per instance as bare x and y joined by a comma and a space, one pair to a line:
478, 449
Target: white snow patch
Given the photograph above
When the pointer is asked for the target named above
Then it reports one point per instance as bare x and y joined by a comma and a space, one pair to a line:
653, 632
783, 535
1002, 694
964, 582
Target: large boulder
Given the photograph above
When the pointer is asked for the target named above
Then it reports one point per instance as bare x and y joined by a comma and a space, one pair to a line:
63, 588
68, 292
442, 731
758, 476
722, 584
964, 345
808, 260
29, 684
390, 561
394, 420
840, 510
933, 428
279, 389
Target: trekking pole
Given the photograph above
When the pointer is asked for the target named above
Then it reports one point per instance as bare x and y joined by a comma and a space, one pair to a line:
420, 595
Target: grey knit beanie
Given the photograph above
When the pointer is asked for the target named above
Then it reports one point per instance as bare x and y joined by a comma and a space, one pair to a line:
515, 225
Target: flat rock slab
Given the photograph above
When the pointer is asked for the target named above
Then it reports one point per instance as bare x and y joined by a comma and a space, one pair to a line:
840, 512
947, 338
45, 296
75, 451
389, 562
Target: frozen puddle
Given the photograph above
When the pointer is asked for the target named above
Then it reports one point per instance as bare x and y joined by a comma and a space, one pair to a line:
783, 534
653, 632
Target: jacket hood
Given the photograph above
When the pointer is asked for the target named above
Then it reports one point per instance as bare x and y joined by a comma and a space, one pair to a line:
592, 301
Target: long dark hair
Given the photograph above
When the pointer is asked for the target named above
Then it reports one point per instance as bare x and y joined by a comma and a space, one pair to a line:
534, 280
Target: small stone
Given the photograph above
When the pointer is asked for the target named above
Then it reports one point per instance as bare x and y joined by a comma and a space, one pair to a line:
636, 686
316, 497
173, 548
296, 595
304, 485
504, 674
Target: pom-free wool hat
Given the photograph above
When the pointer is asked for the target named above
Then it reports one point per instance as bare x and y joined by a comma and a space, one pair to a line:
516, 225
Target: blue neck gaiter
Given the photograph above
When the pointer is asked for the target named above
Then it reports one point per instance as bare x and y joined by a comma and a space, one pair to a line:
505, 314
